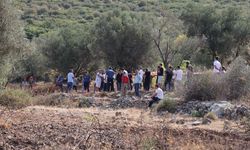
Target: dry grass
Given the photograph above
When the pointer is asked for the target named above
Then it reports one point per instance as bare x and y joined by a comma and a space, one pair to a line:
15, 98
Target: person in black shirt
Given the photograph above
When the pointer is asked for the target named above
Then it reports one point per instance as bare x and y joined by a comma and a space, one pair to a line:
147, 80
160, 72
119, 80
169, 77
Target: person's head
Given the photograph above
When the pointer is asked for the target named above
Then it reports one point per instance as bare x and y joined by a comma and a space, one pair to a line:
157, 86
170, 67
160, 65
217, 58
71, 70
178, 67
110, 68
146, 69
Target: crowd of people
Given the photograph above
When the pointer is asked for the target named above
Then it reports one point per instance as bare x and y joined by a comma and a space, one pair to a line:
123, 80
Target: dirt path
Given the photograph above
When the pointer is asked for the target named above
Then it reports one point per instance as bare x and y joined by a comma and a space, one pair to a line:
94, 128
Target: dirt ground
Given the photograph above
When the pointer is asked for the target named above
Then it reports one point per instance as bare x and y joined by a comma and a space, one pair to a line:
39, 127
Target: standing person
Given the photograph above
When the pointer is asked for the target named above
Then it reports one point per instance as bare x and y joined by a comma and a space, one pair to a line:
31, 81
125, 83
178, 77
158, 95
59, 82
70, 80
141, 74
160, 72
130, 76
147, 80
217, 65
169, 78
119, 80
104, 81
189, 71
86, 82
110, 76
98, 81
137, 83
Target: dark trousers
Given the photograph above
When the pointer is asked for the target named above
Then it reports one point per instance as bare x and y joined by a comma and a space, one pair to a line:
169, 86
86, 86
69, 86
146, 85
119, 86
110, 84
154, 100
137, 89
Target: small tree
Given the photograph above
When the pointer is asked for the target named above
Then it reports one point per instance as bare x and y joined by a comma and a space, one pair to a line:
67, 48
122, 39
225, 32
11, 41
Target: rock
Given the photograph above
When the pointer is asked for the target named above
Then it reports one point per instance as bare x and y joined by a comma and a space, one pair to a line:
196, 123
219, 108
206, 121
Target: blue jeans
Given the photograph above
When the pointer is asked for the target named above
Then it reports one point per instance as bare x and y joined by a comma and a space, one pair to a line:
137, 89
70, 86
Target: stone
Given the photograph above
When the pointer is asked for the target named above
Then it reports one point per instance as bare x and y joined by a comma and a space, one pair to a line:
196, 123
206, 121
219, 108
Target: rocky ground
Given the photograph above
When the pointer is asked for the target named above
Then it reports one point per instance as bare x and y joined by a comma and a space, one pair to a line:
107, 121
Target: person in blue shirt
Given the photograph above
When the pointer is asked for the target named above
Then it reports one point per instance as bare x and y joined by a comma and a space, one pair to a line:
86, 81
110, 77
137, 83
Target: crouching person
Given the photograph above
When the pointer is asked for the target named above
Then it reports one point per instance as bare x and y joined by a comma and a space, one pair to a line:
158, 95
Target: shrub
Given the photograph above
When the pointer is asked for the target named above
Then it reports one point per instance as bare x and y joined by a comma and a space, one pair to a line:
203, 87
167, 105
232, 85
237, 80
211, 116
196, 113
15, 98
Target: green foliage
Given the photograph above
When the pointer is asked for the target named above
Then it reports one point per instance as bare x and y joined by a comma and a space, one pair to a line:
196, 114
67, 48
167, 105
15, 98
122, 39
220, 28
11, 41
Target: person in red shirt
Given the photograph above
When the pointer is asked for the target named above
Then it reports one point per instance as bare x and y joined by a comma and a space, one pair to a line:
125, 82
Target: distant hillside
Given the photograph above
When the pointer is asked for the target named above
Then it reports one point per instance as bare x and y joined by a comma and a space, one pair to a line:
42, 16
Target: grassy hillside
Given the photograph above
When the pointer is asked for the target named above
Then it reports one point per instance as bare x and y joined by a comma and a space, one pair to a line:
42, 16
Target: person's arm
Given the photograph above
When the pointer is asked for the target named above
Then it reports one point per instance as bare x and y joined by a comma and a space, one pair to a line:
154, 94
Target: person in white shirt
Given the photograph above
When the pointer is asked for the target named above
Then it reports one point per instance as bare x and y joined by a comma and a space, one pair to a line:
141, 73
178, 78
158, 95
178, 74
70, 80
98, 81
217, 65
